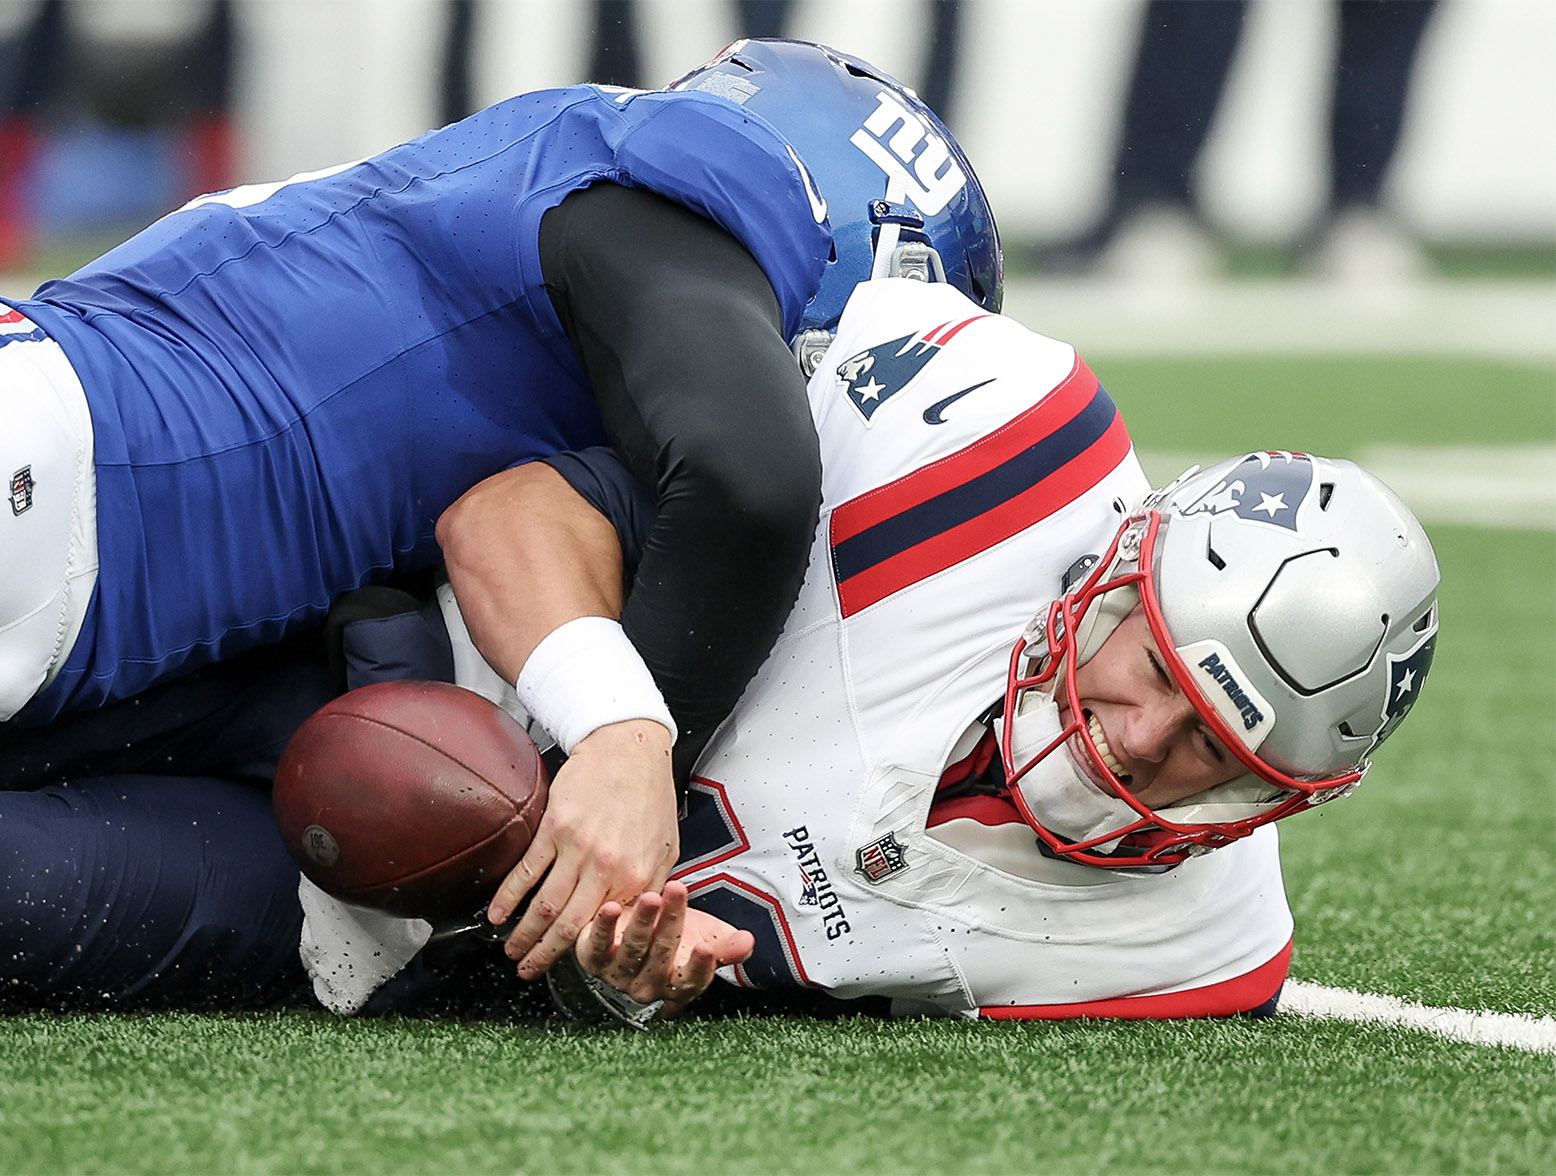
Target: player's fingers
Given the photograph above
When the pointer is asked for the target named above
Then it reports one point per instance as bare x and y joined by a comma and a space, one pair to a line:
598, 940
562, 933
636, 940
667, 936
736, 949
555, 893
691, 979
520, 881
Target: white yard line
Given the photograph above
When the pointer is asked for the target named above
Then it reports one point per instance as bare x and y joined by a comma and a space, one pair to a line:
1477, 1027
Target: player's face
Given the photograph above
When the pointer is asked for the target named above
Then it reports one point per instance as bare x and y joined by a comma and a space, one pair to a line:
1142, 724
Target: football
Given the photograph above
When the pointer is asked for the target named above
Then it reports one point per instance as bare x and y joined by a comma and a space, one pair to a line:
415, 798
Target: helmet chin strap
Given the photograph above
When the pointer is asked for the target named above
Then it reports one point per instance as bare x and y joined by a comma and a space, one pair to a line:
1057, 793
894, 257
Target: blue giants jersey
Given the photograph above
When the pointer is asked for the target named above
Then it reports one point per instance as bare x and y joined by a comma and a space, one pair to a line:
289, 383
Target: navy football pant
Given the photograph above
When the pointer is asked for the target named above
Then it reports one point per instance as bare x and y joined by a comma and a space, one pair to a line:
140, 865
145, 891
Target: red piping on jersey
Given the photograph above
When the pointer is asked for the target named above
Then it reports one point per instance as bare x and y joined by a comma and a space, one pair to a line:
922, 484
776, 909
1223, 999
741, 843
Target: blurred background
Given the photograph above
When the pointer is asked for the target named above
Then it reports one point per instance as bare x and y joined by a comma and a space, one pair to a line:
1179, 138
1225, 181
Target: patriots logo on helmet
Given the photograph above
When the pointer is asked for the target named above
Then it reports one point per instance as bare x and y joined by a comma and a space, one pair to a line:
874, 376
1263, 487
1407, 672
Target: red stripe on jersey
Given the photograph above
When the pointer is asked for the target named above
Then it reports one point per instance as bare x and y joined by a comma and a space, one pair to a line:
951, 330
942, 547
9, 315
1224, 999
924, 483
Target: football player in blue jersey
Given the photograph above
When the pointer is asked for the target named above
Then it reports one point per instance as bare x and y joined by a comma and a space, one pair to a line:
283, 392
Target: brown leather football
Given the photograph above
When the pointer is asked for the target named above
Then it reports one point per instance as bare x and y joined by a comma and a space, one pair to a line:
416, 798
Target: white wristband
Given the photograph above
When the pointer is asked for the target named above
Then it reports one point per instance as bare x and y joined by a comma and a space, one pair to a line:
584, 675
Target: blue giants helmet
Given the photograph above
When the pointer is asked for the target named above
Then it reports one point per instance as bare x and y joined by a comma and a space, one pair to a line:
901, 197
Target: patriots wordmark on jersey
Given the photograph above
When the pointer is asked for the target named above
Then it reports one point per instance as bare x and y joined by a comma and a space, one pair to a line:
967, 463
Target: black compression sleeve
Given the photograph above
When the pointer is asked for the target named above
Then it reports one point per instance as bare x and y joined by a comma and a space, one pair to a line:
682, 340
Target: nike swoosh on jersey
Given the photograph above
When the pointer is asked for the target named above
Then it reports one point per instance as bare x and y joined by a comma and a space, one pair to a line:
818, 206
934, 414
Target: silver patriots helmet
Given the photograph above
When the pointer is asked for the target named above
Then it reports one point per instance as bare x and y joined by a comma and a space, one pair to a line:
1294, 600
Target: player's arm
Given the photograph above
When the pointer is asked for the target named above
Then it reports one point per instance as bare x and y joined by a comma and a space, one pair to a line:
681, 337
564, 561
609, 830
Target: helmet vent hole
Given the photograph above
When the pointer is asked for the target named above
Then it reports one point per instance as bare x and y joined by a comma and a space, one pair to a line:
1325, 493
1215, 560
1425, 621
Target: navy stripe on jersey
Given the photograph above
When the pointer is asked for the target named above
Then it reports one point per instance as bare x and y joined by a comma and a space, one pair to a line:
959, 504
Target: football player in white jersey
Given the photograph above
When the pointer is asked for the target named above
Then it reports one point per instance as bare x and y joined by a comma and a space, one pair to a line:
1021, 699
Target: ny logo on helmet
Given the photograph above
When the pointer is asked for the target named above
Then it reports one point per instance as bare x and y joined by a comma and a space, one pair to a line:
1263, 487
914, 158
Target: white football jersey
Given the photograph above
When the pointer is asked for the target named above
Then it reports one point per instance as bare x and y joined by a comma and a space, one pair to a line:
968, 463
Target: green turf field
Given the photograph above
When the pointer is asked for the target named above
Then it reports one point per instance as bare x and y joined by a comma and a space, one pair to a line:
1434, 883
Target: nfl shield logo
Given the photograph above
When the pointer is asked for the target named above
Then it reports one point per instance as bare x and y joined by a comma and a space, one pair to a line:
21, 490
881, 858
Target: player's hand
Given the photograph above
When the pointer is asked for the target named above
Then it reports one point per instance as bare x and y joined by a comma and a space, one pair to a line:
608, 834
661, 949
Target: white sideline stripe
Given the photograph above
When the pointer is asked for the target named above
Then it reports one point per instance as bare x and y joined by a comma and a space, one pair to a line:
1514, 1030
1511, 487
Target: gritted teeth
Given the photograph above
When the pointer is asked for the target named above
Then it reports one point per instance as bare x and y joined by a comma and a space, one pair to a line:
1100, 742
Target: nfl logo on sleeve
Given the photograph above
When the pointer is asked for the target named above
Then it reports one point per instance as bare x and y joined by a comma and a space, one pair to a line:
881, 858
21, 490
